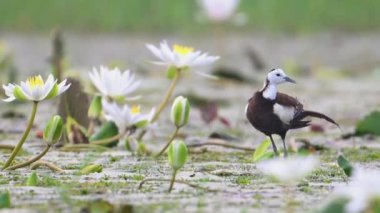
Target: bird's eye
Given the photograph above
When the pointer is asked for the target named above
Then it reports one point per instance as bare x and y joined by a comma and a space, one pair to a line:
278, 74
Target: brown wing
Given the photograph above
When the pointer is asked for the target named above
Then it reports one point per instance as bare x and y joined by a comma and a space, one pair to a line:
286, 100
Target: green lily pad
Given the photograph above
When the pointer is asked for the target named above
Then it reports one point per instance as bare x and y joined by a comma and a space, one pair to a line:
107, 130
370, 124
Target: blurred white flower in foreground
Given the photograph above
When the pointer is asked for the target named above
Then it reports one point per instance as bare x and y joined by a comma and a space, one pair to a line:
113, 83
181, 57
289, 170
222, 10
35, 89
124, 116
362, 191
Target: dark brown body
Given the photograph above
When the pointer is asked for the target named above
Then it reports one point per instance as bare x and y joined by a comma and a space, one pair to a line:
260, 113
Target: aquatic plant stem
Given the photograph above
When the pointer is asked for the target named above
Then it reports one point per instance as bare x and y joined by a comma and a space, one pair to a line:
172, 180
24, 136
107, 140
164, 102
220, 143
174, 134
177, 181
168, 94
91, 127
79, 147
6, 146
51, 166
27, 163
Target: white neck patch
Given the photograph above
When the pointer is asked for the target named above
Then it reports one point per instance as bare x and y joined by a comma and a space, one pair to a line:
270, 92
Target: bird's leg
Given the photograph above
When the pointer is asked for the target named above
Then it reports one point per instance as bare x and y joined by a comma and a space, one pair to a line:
285, 149
274, 146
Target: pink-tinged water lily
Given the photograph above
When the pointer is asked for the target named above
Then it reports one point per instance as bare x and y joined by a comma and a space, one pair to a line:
114, 83
125, 116
180, 57
35, 89
219, 10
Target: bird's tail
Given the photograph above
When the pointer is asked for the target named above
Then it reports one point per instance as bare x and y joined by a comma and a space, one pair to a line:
306, 113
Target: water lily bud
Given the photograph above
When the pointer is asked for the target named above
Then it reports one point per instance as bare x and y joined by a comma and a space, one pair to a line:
177, 154
53, 130
95, 107
180, 111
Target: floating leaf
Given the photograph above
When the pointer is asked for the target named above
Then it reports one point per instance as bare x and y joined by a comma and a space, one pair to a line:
32, 179
370, 124
335, 206
5, 200
261, 151
91, 169
107, 130
345, 165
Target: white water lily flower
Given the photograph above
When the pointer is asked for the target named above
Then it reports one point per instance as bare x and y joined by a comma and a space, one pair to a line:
180, 56
35, 89
289, 170
124, 116
361, 191
114, 83
219, 10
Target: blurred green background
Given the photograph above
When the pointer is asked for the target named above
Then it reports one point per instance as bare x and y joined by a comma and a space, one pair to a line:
179, 15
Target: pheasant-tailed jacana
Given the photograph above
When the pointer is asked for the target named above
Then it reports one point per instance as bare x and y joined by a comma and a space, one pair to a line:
272, 112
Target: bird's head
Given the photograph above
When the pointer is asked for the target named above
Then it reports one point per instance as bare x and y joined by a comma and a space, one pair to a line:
278, 76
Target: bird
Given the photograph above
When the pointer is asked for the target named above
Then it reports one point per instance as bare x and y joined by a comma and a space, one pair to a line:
275, 113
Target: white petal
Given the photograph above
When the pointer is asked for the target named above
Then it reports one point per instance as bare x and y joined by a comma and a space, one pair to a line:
155, 51
46, 89
209, 76
9, 99
167, 52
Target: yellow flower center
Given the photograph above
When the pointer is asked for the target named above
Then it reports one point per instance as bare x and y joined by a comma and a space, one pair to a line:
182, 50
35, 81
135, 110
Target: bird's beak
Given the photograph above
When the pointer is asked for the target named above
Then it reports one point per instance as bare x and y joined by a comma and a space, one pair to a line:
290, 80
